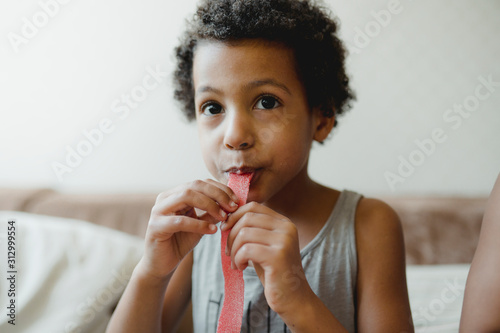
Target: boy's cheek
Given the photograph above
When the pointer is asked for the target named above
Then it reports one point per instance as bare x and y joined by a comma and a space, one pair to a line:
209, 156
216, 172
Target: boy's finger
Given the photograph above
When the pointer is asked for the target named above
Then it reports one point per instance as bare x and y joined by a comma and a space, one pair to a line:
218, 192
183, 201
257, 253
251, 207
249, 235
250, 220
225, 188
180, 223
208, 218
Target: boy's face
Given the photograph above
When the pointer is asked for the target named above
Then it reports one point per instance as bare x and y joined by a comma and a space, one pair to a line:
252, 114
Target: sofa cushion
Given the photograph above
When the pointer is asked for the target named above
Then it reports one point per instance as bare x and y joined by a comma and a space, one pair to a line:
436, 295
70, 273
439, 230
125, 212
20, 199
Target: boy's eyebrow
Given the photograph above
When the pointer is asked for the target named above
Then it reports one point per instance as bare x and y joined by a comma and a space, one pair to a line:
203, 89
253, 84
258, 83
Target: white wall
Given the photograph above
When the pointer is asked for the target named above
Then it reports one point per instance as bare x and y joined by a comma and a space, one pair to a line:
424, 59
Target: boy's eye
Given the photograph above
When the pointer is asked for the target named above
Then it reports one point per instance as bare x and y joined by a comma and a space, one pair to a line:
210, 109
267, 102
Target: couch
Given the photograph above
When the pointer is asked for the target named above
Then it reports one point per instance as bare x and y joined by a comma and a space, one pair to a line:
441, 234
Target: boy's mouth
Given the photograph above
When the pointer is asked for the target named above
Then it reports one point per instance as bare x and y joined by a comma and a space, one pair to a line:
243, 170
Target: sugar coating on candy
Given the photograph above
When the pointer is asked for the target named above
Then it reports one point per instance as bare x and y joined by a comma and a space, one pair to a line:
240, 184
234, 287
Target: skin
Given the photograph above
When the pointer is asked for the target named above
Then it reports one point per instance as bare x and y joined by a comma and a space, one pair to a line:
252, 116
482, 291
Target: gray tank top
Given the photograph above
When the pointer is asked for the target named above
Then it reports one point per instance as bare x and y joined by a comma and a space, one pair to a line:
330, 266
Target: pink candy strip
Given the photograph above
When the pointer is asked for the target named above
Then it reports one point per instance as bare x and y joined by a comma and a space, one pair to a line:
234, 287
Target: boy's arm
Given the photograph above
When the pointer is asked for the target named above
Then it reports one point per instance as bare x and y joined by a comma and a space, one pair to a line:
178, 295
382, 294
150, 304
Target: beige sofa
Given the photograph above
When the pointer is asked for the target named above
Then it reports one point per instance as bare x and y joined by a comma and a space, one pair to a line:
437, 230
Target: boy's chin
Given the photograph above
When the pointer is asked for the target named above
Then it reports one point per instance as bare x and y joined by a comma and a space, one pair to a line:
255, 196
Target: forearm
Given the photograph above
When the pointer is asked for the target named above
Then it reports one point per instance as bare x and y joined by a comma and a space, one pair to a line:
140, 307
311, 315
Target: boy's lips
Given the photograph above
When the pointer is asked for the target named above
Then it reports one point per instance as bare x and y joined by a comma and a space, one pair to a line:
243, 170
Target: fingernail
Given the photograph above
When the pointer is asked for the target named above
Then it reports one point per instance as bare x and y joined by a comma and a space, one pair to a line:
233, 204
212, 227
223, 226
223, 214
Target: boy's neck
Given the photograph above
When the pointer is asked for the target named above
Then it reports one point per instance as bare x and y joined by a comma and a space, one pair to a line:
306, 203
299, 197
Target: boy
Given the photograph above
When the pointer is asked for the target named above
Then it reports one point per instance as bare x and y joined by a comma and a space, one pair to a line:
264, 79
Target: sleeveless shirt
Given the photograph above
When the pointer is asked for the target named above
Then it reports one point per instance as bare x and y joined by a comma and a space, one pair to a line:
330, 267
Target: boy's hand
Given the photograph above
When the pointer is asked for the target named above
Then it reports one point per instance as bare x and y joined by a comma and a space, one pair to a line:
270, 241
175, 228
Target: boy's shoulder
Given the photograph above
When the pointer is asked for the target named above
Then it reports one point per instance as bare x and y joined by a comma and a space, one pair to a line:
375, 219
371, 210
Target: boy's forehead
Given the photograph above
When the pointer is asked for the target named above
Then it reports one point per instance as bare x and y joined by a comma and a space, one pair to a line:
245, 49
245, 58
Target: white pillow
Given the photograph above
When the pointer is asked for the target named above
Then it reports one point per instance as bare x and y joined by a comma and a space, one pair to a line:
70, 273
436, 296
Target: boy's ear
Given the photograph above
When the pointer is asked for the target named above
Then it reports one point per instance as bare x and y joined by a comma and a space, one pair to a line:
323, 125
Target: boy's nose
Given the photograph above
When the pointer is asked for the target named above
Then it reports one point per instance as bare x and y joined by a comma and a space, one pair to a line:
239, 132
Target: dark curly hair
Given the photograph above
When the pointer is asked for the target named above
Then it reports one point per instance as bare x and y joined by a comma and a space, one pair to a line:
301, 25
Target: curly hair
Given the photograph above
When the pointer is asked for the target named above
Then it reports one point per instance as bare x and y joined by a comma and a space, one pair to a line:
301, 25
